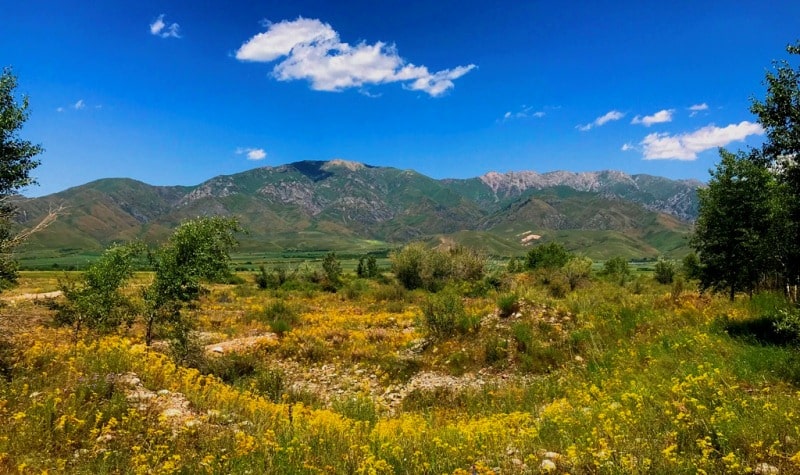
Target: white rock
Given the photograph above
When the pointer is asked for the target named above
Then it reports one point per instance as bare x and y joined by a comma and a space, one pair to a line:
766, 469
171, 412
552, 455
547, 466
217, 349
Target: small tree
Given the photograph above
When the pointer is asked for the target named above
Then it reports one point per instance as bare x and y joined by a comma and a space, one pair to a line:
333, 270
97, 301
732, 232
198, 251
690, 266
367, 267
16, 163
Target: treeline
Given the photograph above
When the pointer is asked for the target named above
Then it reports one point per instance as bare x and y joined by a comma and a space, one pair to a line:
747, 234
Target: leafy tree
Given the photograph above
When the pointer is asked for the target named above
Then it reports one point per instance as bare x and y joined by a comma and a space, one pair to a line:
367, 267
333, 270
690, 266
198, 251
547, 256
16, 163
779, 114
732, 231
97, 301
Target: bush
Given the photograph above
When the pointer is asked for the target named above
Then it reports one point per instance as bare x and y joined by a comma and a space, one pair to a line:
495, 350
270, 383
664, 271
442, 313
616, 270
558, 285
507, 305
280, 317
415, 266
577, 271
547, 256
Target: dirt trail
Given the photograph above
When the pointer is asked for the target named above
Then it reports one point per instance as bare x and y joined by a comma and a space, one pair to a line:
39, 296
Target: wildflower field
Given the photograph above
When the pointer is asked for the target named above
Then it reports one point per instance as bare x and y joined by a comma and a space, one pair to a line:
608, 377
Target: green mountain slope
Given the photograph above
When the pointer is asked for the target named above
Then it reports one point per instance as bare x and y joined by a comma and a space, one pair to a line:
341, 205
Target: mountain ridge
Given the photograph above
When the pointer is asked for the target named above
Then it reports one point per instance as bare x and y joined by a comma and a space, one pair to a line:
342, 203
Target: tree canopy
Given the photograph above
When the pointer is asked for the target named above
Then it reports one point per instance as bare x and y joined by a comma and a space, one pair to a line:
749, 222
17, 160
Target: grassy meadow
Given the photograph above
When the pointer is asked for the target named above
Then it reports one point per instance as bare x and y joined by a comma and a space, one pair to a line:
508, 375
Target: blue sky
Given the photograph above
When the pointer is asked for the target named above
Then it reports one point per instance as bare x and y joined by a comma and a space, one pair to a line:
178, 92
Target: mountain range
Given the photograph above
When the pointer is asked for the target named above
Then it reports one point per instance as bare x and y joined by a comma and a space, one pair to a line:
344, 205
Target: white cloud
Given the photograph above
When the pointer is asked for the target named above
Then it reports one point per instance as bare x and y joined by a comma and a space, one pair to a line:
603, 119
312, 50
59, 109
524, 113
697, 108
659, 117
160, 28
252, 153
657, 146
79, 105
627, 146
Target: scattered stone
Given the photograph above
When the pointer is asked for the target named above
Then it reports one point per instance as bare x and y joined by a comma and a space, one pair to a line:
547, 466
766, 469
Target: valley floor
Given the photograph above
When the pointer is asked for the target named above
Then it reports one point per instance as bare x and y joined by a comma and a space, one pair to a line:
609, 378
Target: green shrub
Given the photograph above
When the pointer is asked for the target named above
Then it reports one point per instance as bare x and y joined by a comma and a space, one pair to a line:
270, 383
280, 317
616, 270
577, 271
508, 304
442, 313
547, 256
664, 271
558, 285
495, 350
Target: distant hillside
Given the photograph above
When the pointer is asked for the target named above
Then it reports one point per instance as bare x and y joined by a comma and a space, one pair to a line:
342, 205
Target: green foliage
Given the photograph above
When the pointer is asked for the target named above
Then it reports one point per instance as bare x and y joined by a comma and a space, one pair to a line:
198, 251
577, 271
332, 269
443, 312
547, 256
415, 266
690, 266
16, 163
367, 267
270, 383
617, 270
96, 301
508, 304
731, 233
664, 271
280, 317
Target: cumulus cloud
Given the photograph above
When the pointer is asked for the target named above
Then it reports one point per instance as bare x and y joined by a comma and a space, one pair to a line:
627, 146
697, 108
662, 146
160, 28
603, 119
79, 105
312, 50
659, 117
252, 153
